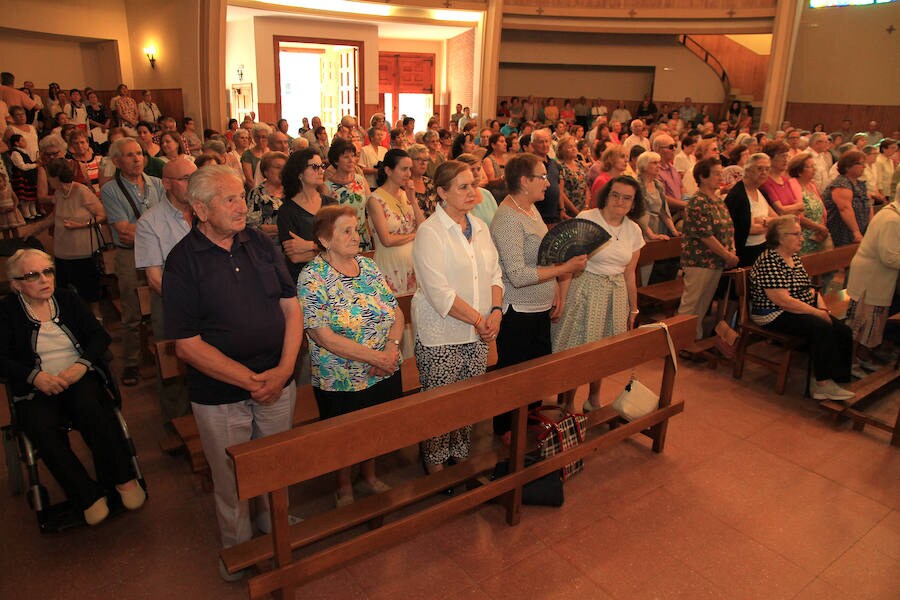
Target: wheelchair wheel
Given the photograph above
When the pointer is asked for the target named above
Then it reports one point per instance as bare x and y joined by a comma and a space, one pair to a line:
13, 468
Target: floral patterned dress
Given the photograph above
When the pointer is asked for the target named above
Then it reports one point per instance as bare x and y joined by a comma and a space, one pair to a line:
575, 184
814, 210
360, 308
705, 216
396, 262
354, 194
262, 209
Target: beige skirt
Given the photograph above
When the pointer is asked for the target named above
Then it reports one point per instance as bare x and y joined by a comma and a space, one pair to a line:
867, 322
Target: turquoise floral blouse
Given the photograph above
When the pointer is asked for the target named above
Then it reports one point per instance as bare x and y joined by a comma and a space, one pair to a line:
360, 308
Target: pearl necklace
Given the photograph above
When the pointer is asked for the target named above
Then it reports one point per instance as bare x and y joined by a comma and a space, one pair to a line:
530, 214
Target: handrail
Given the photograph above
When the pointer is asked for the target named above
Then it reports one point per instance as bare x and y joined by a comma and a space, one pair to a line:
703, 54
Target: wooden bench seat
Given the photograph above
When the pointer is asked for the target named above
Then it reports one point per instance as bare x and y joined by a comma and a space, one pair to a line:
271, 464
665, 294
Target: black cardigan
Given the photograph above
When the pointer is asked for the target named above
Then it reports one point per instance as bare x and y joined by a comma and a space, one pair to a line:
738, 204
19, 361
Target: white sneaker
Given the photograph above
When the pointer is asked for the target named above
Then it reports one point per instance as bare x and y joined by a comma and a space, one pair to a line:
829, 390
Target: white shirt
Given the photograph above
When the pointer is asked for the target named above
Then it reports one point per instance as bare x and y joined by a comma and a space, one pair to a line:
622, 115
822, 162
684, 162
634, 140
55, 348
368, 158
759, 209
447, 265
148, 114
613, 257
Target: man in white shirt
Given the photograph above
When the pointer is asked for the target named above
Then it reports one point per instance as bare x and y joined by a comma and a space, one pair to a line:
685, 159
636, 138
873, 136
818, 149
148, 111
621, 114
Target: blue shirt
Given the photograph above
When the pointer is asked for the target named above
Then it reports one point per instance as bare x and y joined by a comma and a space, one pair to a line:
118, 209
158, 230
232, 300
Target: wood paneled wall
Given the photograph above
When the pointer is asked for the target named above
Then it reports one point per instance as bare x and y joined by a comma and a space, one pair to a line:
806, 114
266, 112
169, 100
746, 69
550, 5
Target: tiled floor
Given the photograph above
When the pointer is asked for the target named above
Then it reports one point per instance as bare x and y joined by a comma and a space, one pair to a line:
756, 496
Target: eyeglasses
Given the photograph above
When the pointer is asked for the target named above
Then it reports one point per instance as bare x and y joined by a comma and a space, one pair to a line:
319, 167
544, 177
619, 197
184, 178
671, 146
33, 276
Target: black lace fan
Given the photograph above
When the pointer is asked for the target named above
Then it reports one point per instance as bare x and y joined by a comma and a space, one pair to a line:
571, 238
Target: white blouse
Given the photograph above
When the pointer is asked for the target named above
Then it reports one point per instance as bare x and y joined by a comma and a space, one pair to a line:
55, 348
447, 265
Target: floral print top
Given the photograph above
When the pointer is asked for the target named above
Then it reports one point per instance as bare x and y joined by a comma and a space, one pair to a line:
360, 308
575, 184
262, 207
354, 194
704, 217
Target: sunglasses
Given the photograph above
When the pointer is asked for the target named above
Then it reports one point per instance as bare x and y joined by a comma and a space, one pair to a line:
671, 146
318, 167
33, 276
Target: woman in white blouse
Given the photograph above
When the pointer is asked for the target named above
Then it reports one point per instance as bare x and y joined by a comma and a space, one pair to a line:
457, 308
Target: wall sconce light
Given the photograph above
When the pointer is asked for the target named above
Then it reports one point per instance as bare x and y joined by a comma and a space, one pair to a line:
240, 72
150, 51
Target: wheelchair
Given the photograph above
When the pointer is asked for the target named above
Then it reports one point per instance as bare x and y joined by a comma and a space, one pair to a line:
19, 452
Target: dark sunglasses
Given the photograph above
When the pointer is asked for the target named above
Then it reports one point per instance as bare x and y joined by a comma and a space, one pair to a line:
319, 167
33, 276
671, 146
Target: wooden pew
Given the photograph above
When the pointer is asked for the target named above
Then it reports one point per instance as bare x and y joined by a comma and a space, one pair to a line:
818, 264
272, 464
666, 294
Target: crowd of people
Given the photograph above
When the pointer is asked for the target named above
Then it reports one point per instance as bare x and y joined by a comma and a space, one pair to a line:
251, 237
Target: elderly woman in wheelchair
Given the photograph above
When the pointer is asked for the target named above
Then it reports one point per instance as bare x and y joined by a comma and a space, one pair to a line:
51, 354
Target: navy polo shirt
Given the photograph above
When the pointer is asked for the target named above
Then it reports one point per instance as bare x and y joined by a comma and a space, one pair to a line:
549, 206
231, 300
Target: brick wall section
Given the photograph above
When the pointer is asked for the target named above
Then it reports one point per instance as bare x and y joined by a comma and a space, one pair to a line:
461, 69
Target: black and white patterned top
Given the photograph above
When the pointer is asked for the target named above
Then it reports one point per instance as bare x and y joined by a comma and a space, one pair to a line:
771, 272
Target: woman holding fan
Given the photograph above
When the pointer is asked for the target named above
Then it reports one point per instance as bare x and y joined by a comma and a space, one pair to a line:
602, 301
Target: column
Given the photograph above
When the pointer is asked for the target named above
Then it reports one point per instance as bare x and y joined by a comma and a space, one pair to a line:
784, 41
213, 90
486, 95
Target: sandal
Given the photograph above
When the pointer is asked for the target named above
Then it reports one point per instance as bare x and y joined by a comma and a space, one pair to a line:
130, 376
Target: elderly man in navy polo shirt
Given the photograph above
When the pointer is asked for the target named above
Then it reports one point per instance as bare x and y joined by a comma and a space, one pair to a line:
232, 308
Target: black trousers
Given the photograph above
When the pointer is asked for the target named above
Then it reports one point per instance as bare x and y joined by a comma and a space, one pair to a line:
88, 407
829, 344
522, 336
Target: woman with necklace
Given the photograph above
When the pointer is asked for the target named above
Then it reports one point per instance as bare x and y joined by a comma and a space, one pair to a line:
145, 136
354, 325
783, 299
530, 299
394, 216
349, 187
572, 171
457, 308
783, 197
87, 160
602, 301
750, 211
51, 353
77, 210
303, 179
846, 203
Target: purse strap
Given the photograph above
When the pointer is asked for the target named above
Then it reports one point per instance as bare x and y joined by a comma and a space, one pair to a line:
662, 325
127, 194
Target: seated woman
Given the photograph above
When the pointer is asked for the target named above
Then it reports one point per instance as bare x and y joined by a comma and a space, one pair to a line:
354, 325
783, 299
51, 351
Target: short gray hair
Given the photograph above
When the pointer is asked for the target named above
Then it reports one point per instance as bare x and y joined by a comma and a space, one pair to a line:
206, 183
816, 136
117, 148
260, 129
14, 264
299, 143
430, 136
645, 159
751, 161
53, 141
417, 150
217, 146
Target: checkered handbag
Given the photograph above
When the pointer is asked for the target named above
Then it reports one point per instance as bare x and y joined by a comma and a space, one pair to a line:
555, 436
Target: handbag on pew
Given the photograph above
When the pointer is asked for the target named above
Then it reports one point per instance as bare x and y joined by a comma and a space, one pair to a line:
637, 400
555, 436
544, 491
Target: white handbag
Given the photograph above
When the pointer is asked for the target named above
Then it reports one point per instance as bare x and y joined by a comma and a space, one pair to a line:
637, 400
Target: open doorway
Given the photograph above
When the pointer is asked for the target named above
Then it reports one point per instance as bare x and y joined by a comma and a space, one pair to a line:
406, 86
317, 77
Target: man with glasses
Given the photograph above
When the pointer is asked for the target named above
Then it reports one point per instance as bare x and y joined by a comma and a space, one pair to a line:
793, 141
126, 197
158, 230
668, 176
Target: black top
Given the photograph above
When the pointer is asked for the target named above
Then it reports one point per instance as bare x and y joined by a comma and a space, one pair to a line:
549, 206
231, 300
738, 204
294, 218
19, 361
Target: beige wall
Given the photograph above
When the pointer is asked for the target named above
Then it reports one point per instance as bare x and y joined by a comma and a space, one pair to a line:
240, 49
91, 19
435, 47
688, 76
460, 78
172, 26
566, 83
265, 28
70, 63
844, 55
